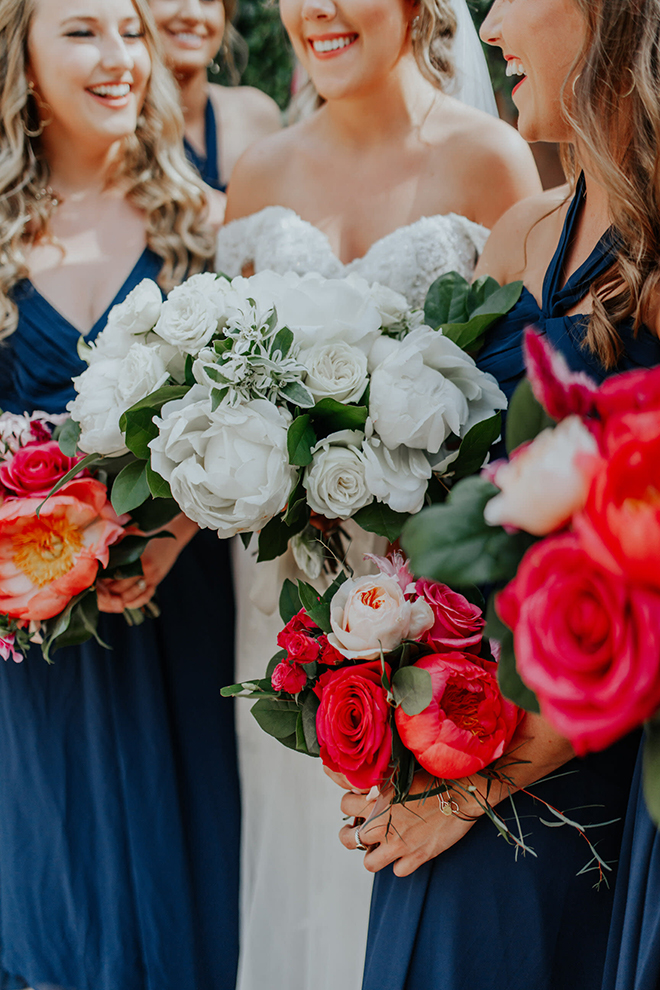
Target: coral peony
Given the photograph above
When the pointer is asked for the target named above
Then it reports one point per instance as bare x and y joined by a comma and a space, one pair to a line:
353, 723
467, 725
35, 469
47, 561
586, 641
458, 623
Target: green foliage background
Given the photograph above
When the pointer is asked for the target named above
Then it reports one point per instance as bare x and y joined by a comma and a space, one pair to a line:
270, 59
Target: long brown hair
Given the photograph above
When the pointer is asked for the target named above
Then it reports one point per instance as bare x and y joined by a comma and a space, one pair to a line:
152, 166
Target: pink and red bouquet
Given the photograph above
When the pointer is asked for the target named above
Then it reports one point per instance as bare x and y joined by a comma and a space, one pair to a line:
568, 532
384, 675
53, 547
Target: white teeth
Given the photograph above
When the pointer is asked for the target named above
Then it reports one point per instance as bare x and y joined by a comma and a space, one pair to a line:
333, 44
189, 39
113, 91
514, 67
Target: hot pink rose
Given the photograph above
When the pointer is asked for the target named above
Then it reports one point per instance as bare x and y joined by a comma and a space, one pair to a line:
353, 723
35, 469
458, 623
468, 723
586, 641
47, 561
329, 654
295, 638
290, 677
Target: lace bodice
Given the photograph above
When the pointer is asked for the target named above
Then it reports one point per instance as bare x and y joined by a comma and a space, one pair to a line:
407, 260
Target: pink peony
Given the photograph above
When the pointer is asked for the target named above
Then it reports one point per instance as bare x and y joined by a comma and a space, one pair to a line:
47, 561
289, 677
467, 725
35, 469
458, 623
586, 641
353, 723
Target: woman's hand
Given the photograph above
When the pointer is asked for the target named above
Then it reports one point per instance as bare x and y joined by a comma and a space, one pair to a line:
157, 561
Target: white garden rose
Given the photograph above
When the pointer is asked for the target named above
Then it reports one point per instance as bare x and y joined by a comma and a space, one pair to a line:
98, 409
545, 482
370, 614
191, 314
399, 477
411, 403
142, 371
228, 469
335, 371
139, 311
335, 480
392, 306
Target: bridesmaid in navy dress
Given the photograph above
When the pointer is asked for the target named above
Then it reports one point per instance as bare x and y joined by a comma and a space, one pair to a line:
119, 805
451, 908
220, 121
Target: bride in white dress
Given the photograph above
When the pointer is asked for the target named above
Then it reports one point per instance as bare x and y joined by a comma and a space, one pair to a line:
396, 181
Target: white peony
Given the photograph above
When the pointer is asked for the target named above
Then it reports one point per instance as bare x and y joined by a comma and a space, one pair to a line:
229, 469
546, 481
335, 480
370, 614
392, 306
192, 313
397, 477
139, 311
335, 371
97, 408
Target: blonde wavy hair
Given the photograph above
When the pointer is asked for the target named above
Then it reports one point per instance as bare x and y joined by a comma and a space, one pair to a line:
613, 107
432, 33
152, 167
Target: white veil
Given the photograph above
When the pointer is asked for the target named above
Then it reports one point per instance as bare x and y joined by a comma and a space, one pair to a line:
472, 82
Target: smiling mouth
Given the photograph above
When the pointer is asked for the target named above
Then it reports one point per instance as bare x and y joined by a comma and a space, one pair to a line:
111, 91
326, 46
514, 67
187, 39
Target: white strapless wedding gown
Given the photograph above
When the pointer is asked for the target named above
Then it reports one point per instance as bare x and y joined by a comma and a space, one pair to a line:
304, 898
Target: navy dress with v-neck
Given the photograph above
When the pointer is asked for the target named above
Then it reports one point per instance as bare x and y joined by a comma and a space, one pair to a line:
477, 916
207, 165
119, 802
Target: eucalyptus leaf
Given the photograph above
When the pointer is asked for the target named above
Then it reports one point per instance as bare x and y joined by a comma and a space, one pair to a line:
300, 440
377, 517
526, 417
412, 689
68, 436
131, 488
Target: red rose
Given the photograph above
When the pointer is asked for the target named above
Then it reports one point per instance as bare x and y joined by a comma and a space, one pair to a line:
620, 523
458, 623
353, 723
467, 725
329, 654
586, 641
35, 469
290, 677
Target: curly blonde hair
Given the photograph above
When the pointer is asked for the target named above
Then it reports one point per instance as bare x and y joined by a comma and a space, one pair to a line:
153, 168
613, 107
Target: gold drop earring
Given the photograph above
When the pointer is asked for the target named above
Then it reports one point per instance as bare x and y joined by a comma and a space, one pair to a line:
43, 108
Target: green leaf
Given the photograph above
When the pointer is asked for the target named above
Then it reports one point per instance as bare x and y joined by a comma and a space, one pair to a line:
301, 745
217, 396
309, 709
500, 301
379, 518
331, 416
68, 437
222, 346
452, 542
469, 336
481, 289
188, 377
154, 513
511, 684
651, 768
155, 401
158, 487
290, 603
446, 301
130, 549
283, 341
317, 609
475, 446
246, 539
214, 372
274, 538
87, 462
75, 625
469, 333
526, 417
330, 592
276, 716
412, 689
139, 429
131, 488
296, 393
300, 439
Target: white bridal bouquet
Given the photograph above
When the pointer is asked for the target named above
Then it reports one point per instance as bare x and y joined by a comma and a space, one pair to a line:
278, 403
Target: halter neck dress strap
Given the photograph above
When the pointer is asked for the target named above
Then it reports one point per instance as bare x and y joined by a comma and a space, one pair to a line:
207, 165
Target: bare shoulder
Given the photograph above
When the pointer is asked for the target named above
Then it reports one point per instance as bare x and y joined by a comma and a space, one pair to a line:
257, 178
525, 236
217, 204
253, 105
495, 165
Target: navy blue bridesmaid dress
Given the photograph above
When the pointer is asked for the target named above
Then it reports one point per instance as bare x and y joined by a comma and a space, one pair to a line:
208, 166
477, 917
119, 800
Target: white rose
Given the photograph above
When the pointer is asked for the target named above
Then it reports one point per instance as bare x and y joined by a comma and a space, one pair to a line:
142, 371
335, 480
392, 306
190, 316
229, 469
98, 409
335, 371
370, 614
546, 481
139, 311
397, 477
411, 403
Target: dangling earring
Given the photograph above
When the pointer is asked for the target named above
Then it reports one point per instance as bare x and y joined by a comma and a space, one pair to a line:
213, 67
414, 27
632, 84
43, 106
574, 82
